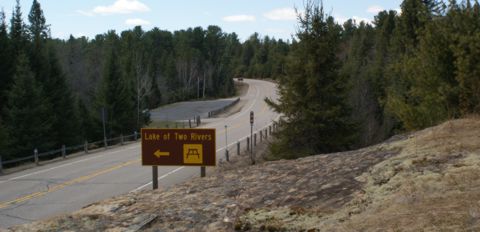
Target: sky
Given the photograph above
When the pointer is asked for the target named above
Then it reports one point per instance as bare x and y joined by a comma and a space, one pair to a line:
275, 18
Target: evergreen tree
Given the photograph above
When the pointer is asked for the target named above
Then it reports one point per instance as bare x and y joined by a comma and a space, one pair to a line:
64, 119
3, 140
38, 32
114, 94
18, 34
25, 113
312, 95
6, 61
89, 130
38, 29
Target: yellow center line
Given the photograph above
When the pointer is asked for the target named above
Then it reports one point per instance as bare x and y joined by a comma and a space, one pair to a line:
65, 184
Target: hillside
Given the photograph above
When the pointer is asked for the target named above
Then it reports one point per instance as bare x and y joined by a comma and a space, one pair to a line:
424, 181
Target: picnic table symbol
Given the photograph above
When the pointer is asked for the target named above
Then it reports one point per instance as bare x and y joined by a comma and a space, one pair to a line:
193, 153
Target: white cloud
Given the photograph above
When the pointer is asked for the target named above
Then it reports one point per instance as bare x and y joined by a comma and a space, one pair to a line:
85, 13
239, 18
137, 22
118, 7
374, 9
281, 14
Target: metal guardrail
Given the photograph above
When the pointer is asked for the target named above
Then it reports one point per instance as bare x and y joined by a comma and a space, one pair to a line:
251, 141
66, 151
223, 109
87, 147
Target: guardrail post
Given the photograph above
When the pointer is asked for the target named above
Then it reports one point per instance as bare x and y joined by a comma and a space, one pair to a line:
254, 140
121, 139
238, 148
261, 135
190, 123
248, 143
270, 129
203, 171
64, 151
226, 155
85, 147
105, 143
35, 155
135, 135
1, 165
266, 133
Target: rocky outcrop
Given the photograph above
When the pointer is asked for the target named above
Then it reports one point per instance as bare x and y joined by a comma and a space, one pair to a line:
429, 180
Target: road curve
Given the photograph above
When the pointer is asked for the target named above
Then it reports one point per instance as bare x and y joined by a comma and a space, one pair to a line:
66, 186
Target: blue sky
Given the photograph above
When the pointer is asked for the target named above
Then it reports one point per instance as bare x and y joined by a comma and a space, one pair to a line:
274, 18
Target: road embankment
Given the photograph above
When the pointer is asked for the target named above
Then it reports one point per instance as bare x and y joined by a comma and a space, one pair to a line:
426, 180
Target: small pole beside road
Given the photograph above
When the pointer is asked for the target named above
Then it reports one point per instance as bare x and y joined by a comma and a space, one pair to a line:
85, 147
104, 129
155, 177
238, 148
35, 155
203, 171
226, 145
252, 157
1, 165
64, 152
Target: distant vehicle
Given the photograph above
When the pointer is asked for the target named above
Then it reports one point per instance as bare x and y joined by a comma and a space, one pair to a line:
240, 78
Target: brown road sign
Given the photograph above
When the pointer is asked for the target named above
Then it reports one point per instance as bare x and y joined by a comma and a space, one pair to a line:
178, 147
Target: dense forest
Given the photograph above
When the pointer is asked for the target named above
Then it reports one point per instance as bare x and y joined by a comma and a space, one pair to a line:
356, 84
341, 86
54, 92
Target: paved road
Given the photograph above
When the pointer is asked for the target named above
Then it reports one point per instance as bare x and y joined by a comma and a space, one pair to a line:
187, 110
66, 186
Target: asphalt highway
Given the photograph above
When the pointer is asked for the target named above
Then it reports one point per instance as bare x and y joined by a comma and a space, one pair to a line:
65, 186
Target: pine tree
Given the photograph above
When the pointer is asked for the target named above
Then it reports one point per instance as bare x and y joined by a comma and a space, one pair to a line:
64, 119
312, 95
38, 32
114, 94
3, 140
89, 130
25, 113
6, 61
18, 34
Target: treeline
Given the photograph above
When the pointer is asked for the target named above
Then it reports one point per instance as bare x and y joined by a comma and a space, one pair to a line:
356, 84
54, 92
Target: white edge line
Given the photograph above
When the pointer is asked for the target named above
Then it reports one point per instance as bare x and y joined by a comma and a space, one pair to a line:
67, 164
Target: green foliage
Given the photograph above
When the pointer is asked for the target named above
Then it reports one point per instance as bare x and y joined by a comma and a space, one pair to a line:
3, 138
63, 116
437, 80
312, 95
114, 94
26, 111
18, 33
6, 62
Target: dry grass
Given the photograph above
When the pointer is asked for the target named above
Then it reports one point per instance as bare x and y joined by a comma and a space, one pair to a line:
432, 185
